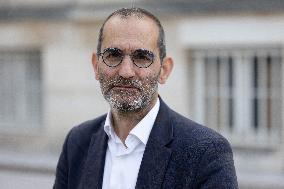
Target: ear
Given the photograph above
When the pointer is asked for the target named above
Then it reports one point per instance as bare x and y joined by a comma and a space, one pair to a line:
166, 69
95, 65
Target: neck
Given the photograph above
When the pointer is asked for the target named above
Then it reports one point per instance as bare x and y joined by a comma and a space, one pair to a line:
124, 122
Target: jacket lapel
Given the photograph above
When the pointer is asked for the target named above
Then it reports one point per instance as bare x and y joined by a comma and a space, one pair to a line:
157, 154
94, 166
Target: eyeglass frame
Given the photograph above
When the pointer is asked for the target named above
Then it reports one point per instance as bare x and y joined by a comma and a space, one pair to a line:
123, 56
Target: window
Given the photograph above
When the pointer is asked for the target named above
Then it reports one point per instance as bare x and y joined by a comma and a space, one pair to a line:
20, 91
238, 92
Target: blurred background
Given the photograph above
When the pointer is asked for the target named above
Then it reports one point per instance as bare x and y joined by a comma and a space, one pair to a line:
228, 75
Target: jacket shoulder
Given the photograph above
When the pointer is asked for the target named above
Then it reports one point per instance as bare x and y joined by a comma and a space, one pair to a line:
208, 154
187, 129
190, 136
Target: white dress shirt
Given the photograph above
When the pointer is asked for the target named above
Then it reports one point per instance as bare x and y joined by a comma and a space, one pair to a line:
122, 163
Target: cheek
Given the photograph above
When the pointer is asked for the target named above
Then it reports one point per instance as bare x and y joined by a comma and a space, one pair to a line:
151, 72
106, 72
150, 79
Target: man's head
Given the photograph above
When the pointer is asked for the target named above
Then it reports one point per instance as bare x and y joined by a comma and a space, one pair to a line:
139, 13
129, 61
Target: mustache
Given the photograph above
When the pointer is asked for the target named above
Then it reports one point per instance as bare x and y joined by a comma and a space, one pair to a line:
120, 81
126, 82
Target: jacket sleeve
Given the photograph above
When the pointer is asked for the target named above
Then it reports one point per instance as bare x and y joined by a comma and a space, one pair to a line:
216, 168
61, 176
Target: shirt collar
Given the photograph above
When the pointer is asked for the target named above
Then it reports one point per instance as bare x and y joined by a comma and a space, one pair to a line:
141, 130
108, 125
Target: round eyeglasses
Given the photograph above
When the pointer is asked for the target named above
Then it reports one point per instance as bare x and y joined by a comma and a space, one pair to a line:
141, 58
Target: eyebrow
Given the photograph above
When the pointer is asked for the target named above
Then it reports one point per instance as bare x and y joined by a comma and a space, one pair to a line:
143, 49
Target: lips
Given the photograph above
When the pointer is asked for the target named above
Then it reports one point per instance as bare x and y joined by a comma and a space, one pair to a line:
120, 85
125, 87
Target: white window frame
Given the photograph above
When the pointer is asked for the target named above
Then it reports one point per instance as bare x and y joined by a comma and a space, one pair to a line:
21, 70
242, 134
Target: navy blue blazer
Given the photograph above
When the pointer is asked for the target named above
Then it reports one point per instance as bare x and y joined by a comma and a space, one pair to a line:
179, 154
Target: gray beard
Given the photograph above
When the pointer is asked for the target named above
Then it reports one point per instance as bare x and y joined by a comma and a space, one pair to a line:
129, 101
129, 105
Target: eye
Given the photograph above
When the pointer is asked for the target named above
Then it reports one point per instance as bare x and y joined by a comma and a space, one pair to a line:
142, 55
112, 54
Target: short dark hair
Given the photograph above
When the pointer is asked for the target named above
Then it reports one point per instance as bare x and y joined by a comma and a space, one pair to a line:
138, 12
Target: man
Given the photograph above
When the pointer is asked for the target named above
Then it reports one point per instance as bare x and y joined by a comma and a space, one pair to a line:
141, 142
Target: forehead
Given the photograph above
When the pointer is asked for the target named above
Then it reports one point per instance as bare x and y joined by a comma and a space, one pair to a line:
130, 33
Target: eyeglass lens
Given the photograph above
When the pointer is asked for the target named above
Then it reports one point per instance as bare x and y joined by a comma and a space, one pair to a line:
142, 58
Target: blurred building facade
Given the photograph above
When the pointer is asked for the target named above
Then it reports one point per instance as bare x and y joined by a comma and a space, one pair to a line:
228, 75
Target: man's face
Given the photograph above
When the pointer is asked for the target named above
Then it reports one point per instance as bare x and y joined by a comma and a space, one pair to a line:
128, 87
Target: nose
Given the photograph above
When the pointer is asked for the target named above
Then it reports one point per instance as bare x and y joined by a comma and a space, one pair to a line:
126, 68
